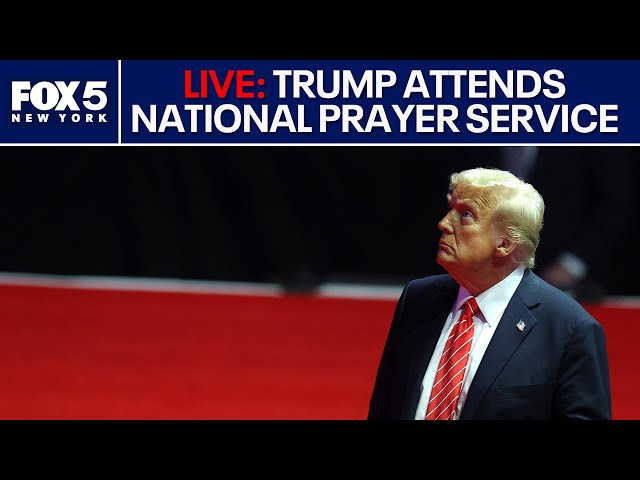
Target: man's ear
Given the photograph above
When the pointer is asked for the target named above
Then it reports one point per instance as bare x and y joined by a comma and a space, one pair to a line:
504, 247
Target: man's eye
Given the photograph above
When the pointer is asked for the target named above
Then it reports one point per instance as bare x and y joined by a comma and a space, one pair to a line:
467, 214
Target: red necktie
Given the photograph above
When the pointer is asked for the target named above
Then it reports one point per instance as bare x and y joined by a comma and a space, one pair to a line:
453, 363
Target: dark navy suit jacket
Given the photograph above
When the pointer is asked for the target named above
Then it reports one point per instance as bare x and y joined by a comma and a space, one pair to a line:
556, 368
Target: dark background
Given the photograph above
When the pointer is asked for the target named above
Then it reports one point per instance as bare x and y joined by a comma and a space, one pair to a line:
297, 215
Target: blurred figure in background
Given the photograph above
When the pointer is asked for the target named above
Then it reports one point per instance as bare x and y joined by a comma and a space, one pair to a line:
589, 189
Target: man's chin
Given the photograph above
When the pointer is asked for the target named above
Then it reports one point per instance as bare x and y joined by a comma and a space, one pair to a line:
443, 258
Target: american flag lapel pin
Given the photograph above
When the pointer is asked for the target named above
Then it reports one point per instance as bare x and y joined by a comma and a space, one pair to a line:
520, 325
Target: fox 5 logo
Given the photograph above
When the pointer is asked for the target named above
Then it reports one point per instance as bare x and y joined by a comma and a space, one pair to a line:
83, 100
58, 96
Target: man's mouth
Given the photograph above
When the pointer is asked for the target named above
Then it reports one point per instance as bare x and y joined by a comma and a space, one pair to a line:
443, 244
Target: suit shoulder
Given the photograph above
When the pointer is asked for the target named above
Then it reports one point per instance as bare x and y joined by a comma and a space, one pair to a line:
555, 300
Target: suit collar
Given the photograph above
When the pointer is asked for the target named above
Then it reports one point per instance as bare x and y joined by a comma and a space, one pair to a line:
529, 289
493, 301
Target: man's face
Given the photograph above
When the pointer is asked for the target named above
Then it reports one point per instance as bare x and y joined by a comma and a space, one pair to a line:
468, 240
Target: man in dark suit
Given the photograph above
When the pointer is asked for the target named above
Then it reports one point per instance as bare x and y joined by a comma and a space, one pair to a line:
535, 353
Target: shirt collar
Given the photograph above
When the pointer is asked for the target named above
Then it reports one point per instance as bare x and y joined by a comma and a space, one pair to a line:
493, 301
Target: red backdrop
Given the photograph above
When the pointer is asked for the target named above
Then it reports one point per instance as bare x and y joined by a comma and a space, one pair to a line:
70, 353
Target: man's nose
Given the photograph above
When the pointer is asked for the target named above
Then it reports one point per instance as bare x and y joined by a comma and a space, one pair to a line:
444, 225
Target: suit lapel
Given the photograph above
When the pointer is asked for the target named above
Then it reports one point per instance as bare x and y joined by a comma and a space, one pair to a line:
508, 336
421, 344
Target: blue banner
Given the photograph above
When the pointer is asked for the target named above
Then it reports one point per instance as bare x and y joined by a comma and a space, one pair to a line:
295, 102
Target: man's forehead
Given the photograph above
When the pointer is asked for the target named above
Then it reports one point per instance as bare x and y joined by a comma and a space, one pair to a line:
481, 197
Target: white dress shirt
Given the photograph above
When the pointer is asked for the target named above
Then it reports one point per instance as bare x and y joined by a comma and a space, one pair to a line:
492, 303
